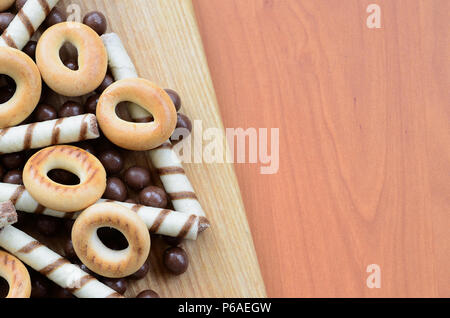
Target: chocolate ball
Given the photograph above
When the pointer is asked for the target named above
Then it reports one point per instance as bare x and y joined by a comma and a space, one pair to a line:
120, 285
184, 128
40, 286
68, 225
172, 241
175, 98
63, 177
2, 171
47, 225
44, 112
176, 260
87, 146
148, 294
115, 190
137, 178
55, 16
154, 197
97, 21
71, 64
141, 272
5, 20
24, 219
112, 160
70, 109
69, 251
107, 81
91, 104
59, 292
30, 49
13, 161
20, 4
13, 177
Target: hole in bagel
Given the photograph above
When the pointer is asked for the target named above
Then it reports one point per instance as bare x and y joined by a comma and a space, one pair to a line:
112, 238
4, 288
63, 177
7, 88
69, 56
123, 113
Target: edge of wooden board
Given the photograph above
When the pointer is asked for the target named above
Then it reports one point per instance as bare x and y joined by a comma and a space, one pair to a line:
223, 259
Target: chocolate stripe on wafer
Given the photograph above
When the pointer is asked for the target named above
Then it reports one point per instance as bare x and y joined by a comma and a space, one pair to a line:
47, 270
182, 196
30, 247
45, 7
47, 133
159, 220
187, 226
170, 170
8, 40
52, 265
26, 22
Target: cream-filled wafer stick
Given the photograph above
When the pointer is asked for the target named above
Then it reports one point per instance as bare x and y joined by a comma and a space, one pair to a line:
158, 221
8, 214
174, 179
47, 133
122, 68
172, 174
24, 202
26, 22
53, 265
168, 222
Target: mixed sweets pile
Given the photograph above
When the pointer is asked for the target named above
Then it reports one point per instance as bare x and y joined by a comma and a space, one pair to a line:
73, 114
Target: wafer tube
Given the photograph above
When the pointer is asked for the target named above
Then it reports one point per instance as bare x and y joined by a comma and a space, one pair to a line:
172, 174
52, 265
26, 22
122, 67
158, 221
52, 132
174, 179
8, 214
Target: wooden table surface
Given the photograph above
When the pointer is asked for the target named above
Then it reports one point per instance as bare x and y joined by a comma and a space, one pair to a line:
364, 139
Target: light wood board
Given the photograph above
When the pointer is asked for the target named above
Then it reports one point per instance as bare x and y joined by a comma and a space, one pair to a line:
163, 41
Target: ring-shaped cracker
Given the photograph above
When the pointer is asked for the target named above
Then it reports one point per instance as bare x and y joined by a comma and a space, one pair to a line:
92, 59
101, 259
21, 68
60, 197
137, 136
17, 276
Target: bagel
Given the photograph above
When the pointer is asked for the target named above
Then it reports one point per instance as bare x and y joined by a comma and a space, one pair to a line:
101, 259
59, 197
92, 59
17, 276
6, 4
21, 68
137, 136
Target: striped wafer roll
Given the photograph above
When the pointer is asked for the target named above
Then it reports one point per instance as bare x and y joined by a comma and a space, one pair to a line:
122, 68
8, 214
52, 265
26, 22
52, 132
158, 221
174, 179
172, 174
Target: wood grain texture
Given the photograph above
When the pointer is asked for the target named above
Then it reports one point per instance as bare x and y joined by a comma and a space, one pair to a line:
365, 139
162, 39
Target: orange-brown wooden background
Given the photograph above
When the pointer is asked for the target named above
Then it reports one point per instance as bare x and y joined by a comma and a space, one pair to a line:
364, 139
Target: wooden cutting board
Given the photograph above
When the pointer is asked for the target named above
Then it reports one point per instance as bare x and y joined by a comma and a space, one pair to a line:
162, 39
